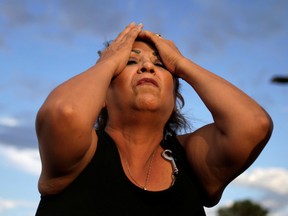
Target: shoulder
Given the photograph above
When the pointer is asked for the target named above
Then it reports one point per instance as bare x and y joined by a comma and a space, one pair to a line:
218, 158
198, 153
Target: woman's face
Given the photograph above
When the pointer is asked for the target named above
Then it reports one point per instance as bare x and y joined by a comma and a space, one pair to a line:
144, 84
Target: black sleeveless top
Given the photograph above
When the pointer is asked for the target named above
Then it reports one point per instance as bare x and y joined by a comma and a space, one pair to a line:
103, 189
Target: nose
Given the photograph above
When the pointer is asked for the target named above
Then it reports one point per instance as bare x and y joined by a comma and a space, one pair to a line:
147, 66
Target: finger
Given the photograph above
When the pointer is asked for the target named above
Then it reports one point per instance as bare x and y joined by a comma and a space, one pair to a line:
126, 31
151, 36
133, 33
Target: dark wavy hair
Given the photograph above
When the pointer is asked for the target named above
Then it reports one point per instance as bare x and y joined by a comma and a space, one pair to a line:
176, 121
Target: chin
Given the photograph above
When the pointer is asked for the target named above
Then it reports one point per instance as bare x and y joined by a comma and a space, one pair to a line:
148, 103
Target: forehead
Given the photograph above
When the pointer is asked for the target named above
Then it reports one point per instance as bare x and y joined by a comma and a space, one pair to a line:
143, 47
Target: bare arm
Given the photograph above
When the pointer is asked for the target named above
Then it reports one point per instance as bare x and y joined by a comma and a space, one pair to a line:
65, 122
220, 151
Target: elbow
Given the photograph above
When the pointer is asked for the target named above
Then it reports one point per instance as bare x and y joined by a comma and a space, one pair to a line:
265, 127
258, 127
211, 202
213, 197
258, 134
52, 115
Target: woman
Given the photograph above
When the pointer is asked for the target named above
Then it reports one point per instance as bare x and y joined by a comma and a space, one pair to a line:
135, 164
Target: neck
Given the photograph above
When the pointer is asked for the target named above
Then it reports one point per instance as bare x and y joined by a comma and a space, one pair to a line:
136, 136
138, 142
135, 142
136, 127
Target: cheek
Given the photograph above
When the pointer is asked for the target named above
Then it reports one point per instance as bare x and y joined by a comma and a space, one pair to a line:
170, 93
122, 81
170, 84
120, 86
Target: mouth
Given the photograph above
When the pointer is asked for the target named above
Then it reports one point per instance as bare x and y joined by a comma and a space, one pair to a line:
147, 81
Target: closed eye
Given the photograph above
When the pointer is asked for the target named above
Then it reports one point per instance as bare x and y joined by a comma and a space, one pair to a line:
159, 64
131, 62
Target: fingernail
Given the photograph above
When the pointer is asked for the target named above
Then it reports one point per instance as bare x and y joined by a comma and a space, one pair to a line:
140, 25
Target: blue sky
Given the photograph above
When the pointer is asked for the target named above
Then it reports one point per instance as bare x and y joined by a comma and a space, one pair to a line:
43, 43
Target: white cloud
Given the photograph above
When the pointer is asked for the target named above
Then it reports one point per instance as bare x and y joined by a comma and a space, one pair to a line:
27, 160
282, 212
9, 121
273, 183
273, 179
7, 205
210, 211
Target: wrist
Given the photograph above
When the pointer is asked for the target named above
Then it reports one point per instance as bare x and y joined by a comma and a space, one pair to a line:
109, 66
106, 68
180, 69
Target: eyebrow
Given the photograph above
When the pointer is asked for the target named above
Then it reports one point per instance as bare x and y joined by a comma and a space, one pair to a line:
136, 51
155, 53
